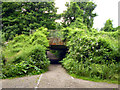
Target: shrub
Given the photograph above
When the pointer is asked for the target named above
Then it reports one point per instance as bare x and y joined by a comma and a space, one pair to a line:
32, 60
91, 56
26, 55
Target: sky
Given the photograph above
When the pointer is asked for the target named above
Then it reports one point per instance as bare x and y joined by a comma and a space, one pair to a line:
106, 9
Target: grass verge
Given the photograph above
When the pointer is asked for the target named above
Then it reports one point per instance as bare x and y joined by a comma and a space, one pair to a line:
26, 75
94, 79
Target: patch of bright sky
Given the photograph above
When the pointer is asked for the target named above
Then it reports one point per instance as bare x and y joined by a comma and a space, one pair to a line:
61, 5
105, 9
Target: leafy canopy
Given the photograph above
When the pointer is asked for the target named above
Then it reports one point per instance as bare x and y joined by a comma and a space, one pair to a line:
22, 17
108, 27
80, 10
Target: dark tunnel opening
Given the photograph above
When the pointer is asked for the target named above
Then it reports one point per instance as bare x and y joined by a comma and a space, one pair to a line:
55, 56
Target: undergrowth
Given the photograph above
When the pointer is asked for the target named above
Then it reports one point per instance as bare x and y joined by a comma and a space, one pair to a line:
25, 55
91, 54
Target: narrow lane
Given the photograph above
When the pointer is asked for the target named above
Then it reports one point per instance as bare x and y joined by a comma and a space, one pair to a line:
56, 77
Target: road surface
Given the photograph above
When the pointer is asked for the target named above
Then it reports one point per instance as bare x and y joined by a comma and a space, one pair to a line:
56, 77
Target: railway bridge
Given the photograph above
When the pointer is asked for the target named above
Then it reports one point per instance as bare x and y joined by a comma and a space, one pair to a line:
55, 40
56, 43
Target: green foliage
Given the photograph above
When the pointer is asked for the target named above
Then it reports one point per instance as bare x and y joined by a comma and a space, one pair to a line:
112, 35
23, 17
78, 24
108, 27
91, 56
26, 55
68, 33
59, 26
32, 60
91, 53
79, 10
39, 37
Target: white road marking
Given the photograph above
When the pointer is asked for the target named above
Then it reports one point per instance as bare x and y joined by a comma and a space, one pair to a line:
38, 81
72, 77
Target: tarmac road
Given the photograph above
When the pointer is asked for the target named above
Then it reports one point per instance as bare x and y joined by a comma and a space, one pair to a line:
56, 77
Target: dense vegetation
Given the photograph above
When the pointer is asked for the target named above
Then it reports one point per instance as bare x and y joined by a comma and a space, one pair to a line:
108, 26
81, 10
25, 55
91, 53
23, 17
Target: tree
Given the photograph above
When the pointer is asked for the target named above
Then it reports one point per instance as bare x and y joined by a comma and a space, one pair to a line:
78, 23
79, 10
108, 27
21, 17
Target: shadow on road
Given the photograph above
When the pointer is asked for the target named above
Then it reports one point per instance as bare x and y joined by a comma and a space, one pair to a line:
52, 61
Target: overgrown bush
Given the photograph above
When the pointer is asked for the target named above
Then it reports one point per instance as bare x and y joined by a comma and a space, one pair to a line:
23, 17
91, 56
32, 60
110, 34
68, 33
26, 55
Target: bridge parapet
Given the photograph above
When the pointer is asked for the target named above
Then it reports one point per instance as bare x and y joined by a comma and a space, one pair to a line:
55, 37
55, 33
56, 41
